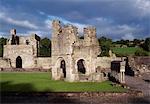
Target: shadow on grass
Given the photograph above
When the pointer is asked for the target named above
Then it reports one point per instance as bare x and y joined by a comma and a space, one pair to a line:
26, 93
8, 86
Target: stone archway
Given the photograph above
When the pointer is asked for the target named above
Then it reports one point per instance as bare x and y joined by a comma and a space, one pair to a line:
81, 66
60, 67
18, 62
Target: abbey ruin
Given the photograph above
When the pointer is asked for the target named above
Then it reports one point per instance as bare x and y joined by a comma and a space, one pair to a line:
73, 58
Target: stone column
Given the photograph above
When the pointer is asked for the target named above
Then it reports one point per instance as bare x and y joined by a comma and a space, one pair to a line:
122, 71
123, 79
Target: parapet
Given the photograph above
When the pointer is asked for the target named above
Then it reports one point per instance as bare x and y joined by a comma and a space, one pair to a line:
70, 29
90, 31
13, 31
56, 24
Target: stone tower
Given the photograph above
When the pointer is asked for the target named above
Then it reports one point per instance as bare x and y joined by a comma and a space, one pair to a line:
62, 39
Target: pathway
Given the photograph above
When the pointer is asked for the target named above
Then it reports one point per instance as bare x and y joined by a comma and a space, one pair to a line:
139, 83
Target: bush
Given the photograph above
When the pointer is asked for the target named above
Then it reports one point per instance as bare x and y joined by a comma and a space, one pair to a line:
141, 53
121, 54
105, 50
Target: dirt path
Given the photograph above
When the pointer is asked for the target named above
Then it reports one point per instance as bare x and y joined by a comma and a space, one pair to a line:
139, 83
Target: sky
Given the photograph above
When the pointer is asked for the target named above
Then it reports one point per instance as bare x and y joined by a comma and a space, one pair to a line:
116, 19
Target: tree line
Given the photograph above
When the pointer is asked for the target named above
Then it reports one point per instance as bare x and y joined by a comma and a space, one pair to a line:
107, 44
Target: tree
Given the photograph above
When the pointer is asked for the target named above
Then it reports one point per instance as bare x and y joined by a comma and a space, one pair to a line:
2, 43
105, 50
105, 44
45, 47
146, 45
136, 41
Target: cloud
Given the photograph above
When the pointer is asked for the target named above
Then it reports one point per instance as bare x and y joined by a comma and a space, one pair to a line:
124, 29
22, 23
109, 28
2, 34
40, 33
50, 18
128, 36
143, 6
75, 15
41, 13
112, 18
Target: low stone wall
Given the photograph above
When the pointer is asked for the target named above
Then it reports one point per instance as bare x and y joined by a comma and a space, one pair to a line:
105, 62
24, 70
41, 64
73, 98
82, 94
139, 64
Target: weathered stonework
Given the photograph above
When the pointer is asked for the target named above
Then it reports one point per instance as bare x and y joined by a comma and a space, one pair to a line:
138, 65
23, 51
75, 59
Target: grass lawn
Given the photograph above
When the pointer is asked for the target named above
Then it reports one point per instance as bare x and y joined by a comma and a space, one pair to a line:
42, 82
125, 51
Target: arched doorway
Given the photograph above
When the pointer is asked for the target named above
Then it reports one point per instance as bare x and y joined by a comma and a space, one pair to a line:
63, 67
18, 62
81, 66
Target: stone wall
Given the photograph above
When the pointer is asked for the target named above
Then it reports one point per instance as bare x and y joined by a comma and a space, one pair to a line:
105, 62
139, 65
44, 62
24, 51
32, 40
4, 63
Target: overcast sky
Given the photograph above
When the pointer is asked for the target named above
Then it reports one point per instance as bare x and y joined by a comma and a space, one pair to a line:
116, 19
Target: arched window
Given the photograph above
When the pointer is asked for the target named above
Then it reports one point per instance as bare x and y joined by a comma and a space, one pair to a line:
27, 42
81, 66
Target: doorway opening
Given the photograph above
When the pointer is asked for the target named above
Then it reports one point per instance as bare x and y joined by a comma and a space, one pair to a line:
63, 67
18, 62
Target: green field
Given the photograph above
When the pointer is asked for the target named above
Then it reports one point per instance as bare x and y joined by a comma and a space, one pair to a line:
127, 51
42, 82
